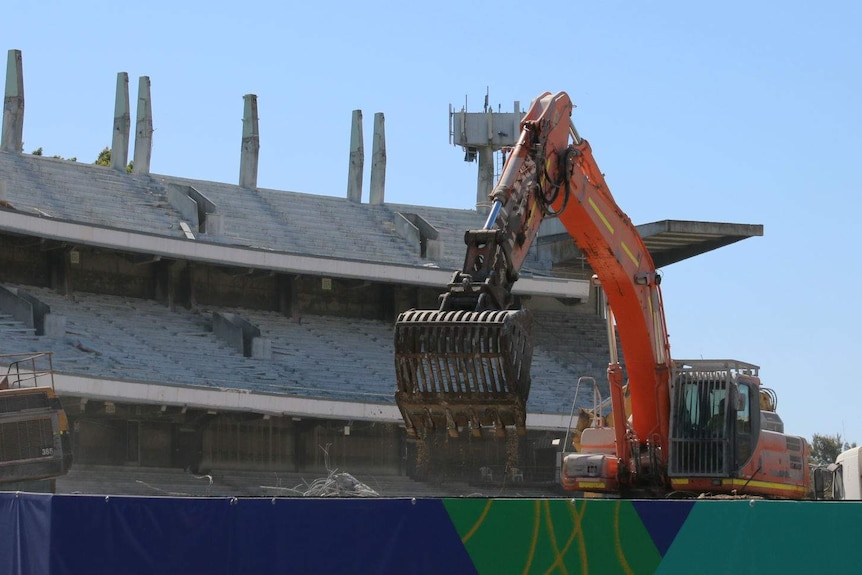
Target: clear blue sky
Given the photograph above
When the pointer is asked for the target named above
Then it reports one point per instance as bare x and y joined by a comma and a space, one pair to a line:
732, 111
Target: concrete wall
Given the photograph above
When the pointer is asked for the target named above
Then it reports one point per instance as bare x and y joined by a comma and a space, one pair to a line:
200, 442
39, 311
188, 285
23, 261
16, 306
104, 272
347, 298
280, 443
237, 332
102, 440
233, 287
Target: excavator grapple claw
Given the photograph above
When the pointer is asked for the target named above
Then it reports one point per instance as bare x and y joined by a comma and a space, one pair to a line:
463, 370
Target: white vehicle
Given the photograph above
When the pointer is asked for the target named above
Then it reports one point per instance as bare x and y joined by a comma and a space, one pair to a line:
845, 475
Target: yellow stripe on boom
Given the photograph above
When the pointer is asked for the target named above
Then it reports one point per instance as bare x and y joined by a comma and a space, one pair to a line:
601, 215
629, 253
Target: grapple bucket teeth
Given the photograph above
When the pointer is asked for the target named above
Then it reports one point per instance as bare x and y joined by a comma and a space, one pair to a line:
463, 370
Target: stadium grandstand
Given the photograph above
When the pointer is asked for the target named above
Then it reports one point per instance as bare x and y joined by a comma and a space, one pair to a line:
218, 338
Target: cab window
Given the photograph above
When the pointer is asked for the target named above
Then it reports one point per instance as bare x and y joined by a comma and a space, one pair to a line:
743, 411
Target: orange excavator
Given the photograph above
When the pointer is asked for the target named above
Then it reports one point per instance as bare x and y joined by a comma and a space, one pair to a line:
695, 426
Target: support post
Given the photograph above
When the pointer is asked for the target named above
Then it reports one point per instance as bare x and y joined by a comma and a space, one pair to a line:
378, 161
485, 182
357, 159
122, 124
250, 144
143, 128
13, 104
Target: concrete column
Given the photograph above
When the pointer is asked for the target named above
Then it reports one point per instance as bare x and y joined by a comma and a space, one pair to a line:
143, 128
378, 161
261, 348
357, 159
13, 105
485, 182
214, 225
122, 124
55, 325
250, 144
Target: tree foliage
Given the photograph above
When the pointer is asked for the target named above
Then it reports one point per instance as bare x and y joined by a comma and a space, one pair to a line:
38, 152
104, 159
826, 448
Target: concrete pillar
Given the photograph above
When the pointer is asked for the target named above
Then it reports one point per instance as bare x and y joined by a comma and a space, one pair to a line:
214, 225
122, 124
378, 161
485, 182
250, 144
143, 128
55, 325
357, 159
13, 105
261, 348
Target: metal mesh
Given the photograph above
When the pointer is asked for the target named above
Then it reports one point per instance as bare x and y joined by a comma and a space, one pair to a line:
26, 439
699, 430
463, 368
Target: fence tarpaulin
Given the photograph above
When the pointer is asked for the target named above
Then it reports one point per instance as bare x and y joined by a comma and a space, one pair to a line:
25, 528
70, 535
97, 535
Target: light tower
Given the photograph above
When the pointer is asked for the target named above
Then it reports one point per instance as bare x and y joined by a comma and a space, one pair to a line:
481, 135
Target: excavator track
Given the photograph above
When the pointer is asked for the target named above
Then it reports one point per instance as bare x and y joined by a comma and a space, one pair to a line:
463, 370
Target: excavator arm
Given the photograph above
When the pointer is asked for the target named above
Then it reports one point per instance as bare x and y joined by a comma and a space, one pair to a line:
467, 365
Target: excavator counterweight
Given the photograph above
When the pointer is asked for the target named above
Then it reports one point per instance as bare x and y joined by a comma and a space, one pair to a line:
463, 370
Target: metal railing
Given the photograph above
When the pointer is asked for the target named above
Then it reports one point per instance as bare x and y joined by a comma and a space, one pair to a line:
26, 370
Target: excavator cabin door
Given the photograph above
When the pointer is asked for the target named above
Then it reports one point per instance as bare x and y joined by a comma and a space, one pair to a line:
746, 423
715, 424
702, 407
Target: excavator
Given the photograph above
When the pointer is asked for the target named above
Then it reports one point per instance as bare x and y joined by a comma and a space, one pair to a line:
694, 427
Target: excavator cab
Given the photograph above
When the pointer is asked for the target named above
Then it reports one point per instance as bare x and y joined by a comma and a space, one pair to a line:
722, 441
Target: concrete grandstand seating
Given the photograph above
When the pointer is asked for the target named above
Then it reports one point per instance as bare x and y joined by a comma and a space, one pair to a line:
11, 328
323, 357
45, 186
290, 222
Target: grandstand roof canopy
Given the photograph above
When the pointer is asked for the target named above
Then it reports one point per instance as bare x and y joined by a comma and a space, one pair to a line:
671, 241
